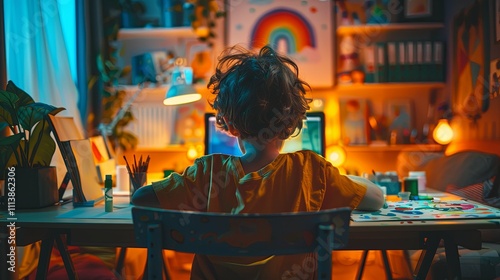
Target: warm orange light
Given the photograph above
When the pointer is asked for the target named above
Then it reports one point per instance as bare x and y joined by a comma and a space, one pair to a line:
443, 133
336, 155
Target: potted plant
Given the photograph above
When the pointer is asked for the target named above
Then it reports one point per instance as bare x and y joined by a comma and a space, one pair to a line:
27, 150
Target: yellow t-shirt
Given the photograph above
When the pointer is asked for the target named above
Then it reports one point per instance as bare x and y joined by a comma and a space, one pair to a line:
293, 182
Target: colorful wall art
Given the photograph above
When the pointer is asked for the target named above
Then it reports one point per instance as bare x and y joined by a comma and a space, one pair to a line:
299, 29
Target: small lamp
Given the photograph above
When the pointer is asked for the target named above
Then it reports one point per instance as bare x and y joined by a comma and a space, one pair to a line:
443, 133
336, 155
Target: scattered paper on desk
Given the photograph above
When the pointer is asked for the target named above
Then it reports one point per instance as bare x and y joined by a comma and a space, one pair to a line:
119, 212
427, 210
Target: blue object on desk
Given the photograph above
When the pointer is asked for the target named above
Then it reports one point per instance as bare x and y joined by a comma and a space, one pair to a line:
392, 187
421, 197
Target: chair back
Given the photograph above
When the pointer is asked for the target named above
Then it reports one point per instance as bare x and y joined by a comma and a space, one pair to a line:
224, 234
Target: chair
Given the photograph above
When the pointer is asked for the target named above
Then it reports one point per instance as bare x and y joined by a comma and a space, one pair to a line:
215, 233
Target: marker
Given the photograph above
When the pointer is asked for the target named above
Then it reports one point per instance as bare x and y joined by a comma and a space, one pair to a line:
420, 197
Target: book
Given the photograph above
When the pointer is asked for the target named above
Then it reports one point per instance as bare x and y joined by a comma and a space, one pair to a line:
78, 158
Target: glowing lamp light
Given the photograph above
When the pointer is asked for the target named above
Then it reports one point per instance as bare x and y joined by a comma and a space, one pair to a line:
336, 156
181, 94
443, 133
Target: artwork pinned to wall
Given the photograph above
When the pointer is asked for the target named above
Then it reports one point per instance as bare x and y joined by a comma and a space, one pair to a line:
471, 96
497, 21
494, 78
354, 121
299, 29
418, 8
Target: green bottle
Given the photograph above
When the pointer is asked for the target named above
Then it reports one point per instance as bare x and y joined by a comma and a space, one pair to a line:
108, 194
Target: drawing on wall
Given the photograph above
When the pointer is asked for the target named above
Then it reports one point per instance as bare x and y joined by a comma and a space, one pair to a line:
494, 78
292, 27
471, 97
418, 8
497, 21
353, 121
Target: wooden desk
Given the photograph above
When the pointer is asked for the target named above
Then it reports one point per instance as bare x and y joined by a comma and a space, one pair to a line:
44, 224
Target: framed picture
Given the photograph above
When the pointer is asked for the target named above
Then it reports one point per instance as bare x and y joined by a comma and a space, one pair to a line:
302, 30
497, 21
418, 8
354, 129
421, 11
399, 115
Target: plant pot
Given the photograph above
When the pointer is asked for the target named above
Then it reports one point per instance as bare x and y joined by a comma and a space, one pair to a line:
34, 187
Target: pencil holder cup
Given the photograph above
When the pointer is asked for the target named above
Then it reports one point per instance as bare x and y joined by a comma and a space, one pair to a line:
137, 180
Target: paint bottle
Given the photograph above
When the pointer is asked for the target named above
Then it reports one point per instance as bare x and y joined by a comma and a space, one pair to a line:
108, 194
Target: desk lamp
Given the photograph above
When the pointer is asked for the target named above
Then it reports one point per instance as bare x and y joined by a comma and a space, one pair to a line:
181, 91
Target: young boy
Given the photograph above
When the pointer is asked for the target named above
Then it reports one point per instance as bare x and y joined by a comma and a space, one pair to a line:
259, 99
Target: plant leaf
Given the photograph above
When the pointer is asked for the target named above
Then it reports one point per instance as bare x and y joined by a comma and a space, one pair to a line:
41, 145
31, 114
8, 102
7, 146
24, 98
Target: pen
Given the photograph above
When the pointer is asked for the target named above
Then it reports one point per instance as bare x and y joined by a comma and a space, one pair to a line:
419, 197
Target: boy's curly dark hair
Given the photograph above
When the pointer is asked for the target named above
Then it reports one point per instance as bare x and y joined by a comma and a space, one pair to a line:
260, 94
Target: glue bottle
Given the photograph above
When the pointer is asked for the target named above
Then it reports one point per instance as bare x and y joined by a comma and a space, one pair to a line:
108, 194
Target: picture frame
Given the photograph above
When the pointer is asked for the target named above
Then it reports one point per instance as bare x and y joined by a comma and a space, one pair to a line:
354, 128
421, 11
418, 8
302, 30
400, 117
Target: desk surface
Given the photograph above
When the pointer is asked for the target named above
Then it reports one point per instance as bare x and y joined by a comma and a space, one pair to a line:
117, 230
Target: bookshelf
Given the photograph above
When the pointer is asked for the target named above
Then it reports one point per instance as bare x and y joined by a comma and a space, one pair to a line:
372, 28
355, 62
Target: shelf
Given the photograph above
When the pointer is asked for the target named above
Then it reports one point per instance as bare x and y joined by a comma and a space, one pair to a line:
396, 148
157, 32
356, 29
371, 86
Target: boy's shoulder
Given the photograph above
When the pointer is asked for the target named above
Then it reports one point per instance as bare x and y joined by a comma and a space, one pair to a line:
306, 155
212, 158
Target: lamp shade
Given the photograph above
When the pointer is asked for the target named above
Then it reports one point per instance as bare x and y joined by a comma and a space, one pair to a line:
181, 94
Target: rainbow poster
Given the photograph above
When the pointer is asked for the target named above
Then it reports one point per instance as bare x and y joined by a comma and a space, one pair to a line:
300, 29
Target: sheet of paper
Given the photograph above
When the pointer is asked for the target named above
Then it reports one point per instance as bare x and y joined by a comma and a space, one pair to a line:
427, 210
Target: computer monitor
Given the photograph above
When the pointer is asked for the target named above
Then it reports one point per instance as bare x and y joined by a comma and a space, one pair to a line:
311, 137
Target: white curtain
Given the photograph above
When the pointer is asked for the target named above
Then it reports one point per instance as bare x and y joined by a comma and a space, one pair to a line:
37, 58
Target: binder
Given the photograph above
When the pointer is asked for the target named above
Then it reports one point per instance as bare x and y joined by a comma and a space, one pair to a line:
419, 52
392, 61
401, 67
380, 63
438, 53
427, 68
369, 63
411, 62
